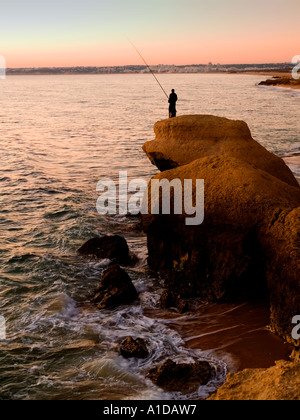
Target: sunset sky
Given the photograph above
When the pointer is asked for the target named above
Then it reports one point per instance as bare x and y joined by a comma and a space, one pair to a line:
36, 33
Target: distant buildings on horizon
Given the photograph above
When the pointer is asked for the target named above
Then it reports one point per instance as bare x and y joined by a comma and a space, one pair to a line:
161, 68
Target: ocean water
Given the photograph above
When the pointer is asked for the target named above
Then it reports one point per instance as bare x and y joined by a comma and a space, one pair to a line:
60, 135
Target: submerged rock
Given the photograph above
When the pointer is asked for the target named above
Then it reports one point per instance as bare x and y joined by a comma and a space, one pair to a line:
131, 348
183, 377
112, 247
249, 244
115, 289
182, 140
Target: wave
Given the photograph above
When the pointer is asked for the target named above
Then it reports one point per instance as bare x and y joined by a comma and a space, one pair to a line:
77, 334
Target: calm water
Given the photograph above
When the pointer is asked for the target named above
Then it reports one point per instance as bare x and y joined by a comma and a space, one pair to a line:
59, 135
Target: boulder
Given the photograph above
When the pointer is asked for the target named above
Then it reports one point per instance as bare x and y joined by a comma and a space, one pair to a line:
248, 246
111, 247
183, 377
131, 348
115, 289
182, 140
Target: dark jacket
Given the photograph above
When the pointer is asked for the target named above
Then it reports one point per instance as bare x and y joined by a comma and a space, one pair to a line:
173, 98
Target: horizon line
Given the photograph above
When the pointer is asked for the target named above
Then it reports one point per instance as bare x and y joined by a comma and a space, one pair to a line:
152, 65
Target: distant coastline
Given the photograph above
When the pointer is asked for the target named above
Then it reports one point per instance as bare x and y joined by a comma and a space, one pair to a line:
209, 68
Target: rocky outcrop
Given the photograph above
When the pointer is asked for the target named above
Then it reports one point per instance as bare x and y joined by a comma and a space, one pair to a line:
180, 141
111, 247
115, 289
248, 246
279, 383
131, 348
281, 82
183, 377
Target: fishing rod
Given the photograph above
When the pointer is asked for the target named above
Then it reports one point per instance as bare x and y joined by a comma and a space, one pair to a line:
148, 67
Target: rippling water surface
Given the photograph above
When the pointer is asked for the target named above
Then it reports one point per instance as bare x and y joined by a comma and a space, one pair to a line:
59, 135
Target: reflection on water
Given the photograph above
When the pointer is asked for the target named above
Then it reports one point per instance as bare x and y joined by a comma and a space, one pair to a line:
60, 136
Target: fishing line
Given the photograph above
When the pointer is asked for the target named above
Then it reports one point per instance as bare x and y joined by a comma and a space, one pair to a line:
148, 67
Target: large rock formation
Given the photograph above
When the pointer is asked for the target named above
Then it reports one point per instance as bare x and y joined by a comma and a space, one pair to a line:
278, 383
182, 140
248, 245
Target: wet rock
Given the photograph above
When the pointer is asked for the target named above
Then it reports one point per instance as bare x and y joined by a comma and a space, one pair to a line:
173, 300
166, 300
115, 289
183, 377
131, 348
112, 247
182, 140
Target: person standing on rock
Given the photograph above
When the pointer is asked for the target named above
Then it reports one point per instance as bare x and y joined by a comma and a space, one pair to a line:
172, 101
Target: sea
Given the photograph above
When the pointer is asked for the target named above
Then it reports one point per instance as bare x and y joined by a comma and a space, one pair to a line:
60, 135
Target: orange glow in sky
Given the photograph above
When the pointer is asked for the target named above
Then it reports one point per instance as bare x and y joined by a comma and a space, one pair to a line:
92, 32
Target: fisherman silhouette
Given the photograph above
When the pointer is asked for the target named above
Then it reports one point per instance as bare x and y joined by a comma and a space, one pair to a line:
172, 101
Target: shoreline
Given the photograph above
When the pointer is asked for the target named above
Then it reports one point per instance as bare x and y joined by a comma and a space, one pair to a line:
236, 334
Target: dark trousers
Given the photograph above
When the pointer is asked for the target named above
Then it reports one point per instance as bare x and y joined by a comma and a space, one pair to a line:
172, 112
